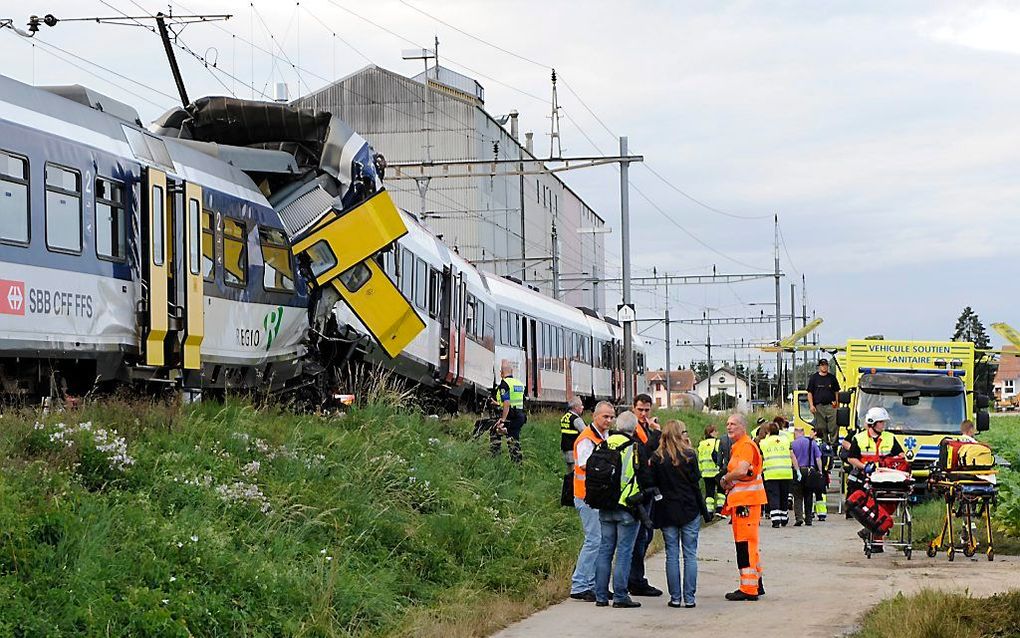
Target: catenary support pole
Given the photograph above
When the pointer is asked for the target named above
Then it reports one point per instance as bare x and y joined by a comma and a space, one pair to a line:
708, 345
628, 338
793, 329
779, 318
669, 369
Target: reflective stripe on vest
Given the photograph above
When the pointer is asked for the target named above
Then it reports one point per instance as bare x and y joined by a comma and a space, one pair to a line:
750, 491
869, 451
589, 434
516, 392
707, 465
777, 463
567, 424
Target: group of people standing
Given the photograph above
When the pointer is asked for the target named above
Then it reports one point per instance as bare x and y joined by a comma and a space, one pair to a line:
660, 487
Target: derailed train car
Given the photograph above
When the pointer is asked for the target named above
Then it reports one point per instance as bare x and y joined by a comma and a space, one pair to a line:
169, 256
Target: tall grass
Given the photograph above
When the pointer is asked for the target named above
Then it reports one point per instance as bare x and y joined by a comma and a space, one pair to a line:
234, 520
936, 614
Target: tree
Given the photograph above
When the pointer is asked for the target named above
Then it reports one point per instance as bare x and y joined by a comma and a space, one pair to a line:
969, 328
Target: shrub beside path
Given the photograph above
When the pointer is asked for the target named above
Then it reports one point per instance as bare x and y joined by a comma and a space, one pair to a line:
817, 579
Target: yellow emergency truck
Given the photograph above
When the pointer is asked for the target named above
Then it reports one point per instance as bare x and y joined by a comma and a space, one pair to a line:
926, 386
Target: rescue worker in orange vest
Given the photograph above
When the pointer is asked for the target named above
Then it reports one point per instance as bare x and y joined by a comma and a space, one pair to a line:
648, 432
745, 494
582, 583
866, 448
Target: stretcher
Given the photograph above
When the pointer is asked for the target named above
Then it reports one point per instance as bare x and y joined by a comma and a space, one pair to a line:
889, 487
967, 495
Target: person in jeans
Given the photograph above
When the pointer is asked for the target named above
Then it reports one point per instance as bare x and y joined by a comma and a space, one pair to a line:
647, 433
619, 526
809, 459
674, 471
582, 583
823, 399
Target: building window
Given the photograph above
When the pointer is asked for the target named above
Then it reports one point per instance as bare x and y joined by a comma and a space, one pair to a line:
278, 269
235, 253
111, 222
63, 209
208, 245
13, 198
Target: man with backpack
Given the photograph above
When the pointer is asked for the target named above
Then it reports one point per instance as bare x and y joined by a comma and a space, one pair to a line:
611, 478
582, 583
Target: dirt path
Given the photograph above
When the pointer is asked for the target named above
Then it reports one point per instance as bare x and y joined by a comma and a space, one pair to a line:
823, 566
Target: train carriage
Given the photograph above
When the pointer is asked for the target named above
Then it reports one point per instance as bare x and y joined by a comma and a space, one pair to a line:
126, 255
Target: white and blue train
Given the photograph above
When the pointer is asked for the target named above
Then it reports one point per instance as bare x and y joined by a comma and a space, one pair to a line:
127, 255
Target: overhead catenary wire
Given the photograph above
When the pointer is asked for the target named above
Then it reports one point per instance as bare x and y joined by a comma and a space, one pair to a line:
85, 60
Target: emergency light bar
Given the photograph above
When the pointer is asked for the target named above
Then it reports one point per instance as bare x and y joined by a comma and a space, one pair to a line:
938, 371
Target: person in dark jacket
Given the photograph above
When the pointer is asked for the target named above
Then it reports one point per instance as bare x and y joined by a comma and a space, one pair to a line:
674, 471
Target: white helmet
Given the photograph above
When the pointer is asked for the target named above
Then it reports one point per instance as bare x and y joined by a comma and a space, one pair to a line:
875, 415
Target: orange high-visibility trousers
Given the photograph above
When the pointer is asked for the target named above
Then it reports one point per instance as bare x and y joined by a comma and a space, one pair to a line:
745, 537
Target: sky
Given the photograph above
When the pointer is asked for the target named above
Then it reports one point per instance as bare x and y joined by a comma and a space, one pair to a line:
883, 135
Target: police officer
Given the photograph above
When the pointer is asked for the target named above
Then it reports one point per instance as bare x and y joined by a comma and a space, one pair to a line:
571, 425
510, 393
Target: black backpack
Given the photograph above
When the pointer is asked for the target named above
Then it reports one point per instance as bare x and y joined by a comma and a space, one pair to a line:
602, 476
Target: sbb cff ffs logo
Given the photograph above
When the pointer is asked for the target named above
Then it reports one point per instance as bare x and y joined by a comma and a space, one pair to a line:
12, 297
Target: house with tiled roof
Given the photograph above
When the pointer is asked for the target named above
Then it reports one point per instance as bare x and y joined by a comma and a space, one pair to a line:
680, 383
1006, 385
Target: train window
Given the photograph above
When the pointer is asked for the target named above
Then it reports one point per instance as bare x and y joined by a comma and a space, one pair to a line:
489, 328
559, 348
504, 328
435, 291
322, 258
235, 252
407, 273
389, 263
278, 269
421, 291
111, 230
355, 277
63, 209
208, 245
479, 318
158, 226
13, 198
194, 236
470, 316
546, 346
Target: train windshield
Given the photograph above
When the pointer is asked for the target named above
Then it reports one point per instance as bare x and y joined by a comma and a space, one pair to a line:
931, 412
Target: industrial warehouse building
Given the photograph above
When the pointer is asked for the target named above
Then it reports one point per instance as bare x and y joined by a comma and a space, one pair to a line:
525, 226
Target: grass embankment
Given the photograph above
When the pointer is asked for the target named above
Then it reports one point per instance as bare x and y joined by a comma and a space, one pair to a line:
226, 520
935, 614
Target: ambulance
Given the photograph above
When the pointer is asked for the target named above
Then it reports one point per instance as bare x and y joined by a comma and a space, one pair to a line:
926, 386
